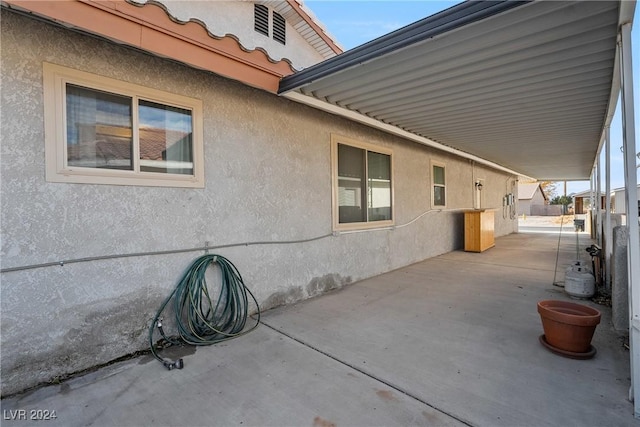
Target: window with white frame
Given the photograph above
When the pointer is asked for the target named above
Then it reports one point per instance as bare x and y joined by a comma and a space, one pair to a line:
104, 131
362, 183
438, 184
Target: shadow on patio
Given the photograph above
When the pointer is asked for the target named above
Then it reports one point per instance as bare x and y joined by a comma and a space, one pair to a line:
452, 340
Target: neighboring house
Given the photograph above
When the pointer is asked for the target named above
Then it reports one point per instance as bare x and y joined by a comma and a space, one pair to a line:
619, 202
582, 201
136, 136
530, 198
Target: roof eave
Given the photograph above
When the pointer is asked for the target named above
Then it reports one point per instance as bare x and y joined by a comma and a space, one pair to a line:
394, 130
627, 11
151, 29
315, 25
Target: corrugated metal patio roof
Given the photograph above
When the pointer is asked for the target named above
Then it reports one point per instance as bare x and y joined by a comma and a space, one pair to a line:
528, 86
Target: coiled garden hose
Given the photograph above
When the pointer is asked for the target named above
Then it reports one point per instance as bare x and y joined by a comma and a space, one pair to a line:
199, 319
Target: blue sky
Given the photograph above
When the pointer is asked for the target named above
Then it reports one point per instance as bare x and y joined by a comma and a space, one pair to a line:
353, 23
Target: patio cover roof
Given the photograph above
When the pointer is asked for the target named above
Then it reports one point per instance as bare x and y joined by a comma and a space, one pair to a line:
528, 86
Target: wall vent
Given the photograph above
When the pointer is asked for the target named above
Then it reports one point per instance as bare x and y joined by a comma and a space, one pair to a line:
279, 28
261, 19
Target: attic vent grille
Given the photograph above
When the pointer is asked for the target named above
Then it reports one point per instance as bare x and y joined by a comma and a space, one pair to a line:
261, 19
279, 28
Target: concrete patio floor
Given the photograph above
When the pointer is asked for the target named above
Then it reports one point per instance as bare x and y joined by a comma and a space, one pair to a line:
449, 341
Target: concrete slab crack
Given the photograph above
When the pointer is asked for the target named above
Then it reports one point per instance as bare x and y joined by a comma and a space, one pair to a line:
367, 374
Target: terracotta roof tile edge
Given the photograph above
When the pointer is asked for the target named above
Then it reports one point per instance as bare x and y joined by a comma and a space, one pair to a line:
150, 28
205, 27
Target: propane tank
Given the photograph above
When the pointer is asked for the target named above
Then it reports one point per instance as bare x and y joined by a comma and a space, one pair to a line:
579, 282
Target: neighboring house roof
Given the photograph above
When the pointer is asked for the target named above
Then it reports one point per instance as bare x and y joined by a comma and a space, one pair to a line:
150, 28
621, 189
114, 142
527, 190
529, 86
585, 193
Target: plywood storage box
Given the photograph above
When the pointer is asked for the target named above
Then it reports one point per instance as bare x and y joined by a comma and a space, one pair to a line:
478, 230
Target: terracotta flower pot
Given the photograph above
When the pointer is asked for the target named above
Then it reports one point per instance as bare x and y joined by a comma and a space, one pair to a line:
568, 326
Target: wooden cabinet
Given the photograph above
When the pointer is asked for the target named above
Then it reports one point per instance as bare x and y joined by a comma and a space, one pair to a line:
478, 230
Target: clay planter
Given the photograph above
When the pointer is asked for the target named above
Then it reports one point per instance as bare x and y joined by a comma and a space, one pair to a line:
568, 326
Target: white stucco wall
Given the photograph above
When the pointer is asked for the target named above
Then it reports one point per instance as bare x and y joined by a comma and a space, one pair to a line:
236, 18
268, 178
620, 201
525, 205
538, 198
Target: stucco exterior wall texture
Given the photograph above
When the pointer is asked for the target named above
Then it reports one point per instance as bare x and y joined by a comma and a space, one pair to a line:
268, 178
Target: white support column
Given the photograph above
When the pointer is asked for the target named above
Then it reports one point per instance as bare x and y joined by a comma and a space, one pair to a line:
608, 232
591, 201
631, 183
598, 202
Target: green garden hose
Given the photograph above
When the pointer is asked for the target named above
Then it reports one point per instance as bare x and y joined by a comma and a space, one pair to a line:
199, 319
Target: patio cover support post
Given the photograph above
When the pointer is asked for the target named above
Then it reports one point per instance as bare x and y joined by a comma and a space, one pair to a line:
631, 183
591, 201
608, 238
598, 202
